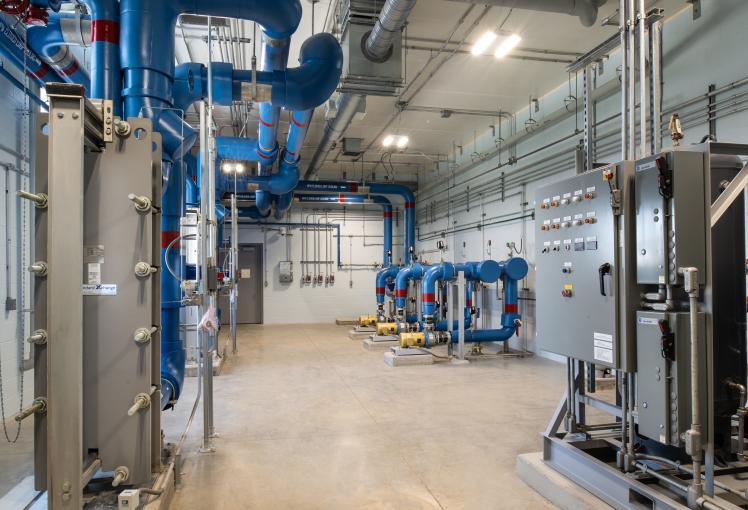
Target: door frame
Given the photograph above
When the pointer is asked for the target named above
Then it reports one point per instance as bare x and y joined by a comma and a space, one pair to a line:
261, 246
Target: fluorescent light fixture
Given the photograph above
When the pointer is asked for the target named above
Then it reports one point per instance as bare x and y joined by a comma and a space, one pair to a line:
239, 168
226, 167
507, 46
388, 141
402, 141
483, 43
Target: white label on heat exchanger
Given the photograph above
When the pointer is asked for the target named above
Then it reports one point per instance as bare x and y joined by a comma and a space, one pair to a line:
604, 355
101, 289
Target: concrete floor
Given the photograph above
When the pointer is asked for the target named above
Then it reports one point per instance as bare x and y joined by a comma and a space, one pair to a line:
309, 419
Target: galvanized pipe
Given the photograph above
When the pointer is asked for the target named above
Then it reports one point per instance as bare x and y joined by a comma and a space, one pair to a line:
390, 22
624, 77
631, 84
642, 79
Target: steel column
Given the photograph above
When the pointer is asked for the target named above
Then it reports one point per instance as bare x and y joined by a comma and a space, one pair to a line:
460, 321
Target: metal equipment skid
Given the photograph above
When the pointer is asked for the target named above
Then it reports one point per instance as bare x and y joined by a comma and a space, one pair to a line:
641, 269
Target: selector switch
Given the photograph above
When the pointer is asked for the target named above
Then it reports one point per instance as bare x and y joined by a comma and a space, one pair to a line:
556, 248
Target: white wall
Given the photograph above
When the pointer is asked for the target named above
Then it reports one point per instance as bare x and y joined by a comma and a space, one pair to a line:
12, 345
353, 293
696, 53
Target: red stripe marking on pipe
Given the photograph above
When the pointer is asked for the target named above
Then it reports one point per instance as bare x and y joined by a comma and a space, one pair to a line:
341, 198
70, 70
167, 238
354, 187
264, 156
291, 153
409, 205
427, 298
43, 70
387, 215
380, 290
508, 308
401, 293
266, 124
298, 124
468, 302
103, 30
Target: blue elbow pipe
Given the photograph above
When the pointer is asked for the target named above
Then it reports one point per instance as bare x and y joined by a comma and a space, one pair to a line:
11, 49
243, 149
383, 277
444, 272
50, 45
414, 272
283, 204
264, 202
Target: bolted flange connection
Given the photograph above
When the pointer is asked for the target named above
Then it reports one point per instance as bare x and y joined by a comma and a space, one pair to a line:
39, 268
142, 400
142, 204
121, 127
145, 269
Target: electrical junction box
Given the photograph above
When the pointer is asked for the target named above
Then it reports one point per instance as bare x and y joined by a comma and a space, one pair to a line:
670, 231
128, 499
664, 384
245, 273
285, 269
584, 238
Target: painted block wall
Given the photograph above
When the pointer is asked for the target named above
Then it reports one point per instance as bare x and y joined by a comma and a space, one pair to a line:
353, 293
696, 53
13, 347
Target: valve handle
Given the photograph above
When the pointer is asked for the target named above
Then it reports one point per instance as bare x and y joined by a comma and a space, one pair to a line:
602, 271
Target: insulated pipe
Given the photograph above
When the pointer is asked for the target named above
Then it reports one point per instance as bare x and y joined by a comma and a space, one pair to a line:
11, 48
585, 10
378, 189
147, 53
49, 43
106, 80
358, 199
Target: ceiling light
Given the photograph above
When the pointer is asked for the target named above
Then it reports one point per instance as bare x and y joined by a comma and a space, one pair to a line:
483, 43
239, 167
507, 46
388, 141
226, 167
402, 141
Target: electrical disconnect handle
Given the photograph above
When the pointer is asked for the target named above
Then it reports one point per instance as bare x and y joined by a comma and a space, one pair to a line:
602, 271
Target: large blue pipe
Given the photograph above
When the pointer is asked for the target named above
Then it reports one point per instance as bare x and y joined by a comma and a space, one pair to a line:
442, 272
414, 272
147, 53
383, 277
376, 189
50, 45
105, 51
12, 49
299, 126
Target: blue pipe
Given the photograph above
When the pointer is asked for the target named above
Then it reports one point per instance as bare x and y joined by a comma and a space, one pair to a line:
414, 272
50, 45
299, 126
243, 149
147, 53
376, 189
383, 277
11, 49
105, 51
283, 202
359, 199
17, 84
442, 272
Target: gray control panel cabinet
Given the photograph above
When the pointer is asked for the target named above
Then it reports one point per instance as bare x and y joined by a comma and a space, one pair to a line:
670, 233
582, 269
664, 386
285, 270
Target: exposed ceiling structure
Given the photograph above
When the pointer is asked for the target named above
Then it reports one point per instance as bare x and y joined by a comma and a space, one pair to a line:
472, 88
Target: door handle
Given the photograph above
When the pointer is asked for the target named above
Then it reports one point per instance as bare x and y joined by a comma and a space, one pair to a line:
602, 271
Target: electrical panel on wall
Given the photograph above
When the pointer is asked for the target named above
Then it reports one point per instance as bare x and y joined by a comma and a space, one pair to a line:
582, 270
285, 270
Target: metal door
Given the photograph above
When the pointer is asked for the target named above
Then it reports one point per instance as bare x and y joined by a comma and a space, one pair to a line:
249, 304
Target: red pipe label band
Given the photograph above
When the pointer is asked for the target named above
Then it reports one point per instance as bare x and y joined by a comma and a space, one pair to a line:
259, 153
298, 124
380, 290
410, 205
341, 198
354, 187
71, 69
427, 298
468, 302
510, 308
386, 215
167, 238
103, 30
266, 124
401, 293
43, 70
